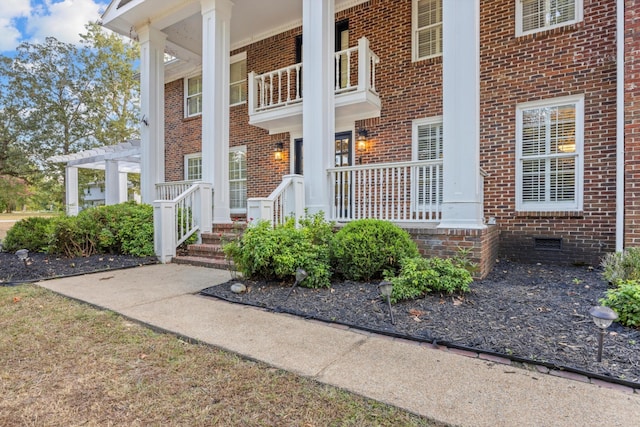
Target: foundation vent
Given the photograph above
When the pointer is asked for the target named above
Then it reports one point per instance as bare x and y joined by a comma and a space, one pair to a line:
547, 244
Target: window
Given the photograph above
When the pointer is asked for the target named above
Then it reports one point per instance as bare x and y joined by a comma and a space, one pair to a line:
238, 179
427, 29
427, 145
539, 15
549, 155
193, 167
238, 79
193, 96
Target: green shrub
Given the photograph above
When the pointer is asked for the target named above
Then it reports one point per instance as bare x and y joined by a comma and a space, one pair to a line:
72, 236
31, 233
265, 252
625, 301
363, 249
621, 266
419, 276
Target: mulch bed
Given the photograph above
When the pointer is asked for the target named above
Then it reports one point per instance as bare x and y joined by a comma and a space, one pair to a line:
41, 266
534, 312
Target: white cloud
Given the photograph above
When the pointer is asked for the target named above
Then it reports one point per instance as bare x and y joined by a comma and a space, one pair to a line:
64, 20
34, 20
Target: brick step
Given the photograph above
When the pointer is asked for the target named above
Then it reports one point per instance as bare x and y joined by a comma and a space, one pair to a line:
218, 238
206, 250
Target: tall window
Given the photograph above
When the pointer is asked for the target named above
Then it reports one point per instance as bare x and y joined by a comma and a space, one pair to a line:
427, 29
427, 145
193, 96
238, 179
238, 79
549, 155
193, 167
539, 15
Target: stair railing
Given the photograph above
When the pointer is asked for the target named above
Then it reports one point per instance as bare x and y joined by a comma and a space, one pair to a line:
177, 219
287, 200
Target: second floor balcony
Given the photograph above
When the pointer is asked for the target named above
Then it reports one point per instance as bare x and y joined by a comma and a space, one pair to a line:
275, 97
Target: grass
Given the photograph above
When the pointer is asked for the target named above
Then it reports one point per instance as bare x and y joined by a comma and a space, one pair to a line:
65, 363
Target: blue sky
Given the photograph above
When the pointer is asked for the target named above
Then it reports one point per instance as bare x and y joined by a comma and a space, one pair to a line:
34, 20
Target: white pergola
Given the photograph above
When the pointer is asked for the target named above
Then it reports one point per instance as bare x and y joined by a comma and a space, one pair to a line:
116, 160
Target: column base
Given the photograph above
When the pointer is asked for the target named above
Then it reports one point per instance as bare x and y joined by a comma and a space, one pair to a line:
462, 215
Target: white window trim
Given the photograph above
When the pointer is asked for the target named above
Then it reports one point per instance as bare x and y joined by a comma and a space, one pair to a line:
188, 157
414, 31
579, 17
242, 56
577, 204
414, 133
186, 91
232, 150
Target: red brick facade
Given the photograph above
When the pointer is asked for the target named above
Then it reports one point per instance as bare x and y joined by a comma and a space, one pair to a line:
632, 123
572, 60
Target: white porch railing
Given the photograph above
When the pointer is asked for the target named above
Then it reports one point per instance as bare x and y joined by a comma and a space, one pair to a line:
182, 208
400, 192
355, 71
285, 201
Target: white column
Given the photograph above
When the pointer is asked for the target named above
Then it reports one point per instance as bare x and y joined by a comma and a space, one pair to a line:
462, 192
216, 19
111, 183
123, 187
71, 190
318, 122
152, 44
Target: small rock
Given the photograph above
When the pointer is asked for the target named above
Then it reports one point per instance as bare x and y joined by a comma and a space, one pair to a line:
238, 288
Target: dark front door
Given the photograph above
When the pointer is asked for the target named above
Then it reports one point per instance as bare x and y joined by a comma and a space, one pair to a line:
343, 157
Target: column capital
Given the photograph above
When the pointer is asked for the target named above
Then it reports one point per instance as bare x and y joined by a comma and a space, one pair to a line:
219, 6
150, 34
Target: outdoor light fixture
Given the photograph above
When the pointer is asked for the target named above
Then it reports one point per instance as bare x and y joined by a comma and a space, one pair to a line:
386, 288
23, 255
300, 276
278, 150
603, 317
363, 134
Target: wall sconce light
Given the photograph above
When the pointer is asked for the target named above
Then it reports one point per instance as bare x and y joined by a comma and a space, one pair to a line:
363, 134
277, 152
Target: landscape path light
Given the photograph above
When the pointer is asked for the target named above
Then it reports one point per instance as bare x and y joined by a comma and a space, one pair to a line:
603, 317
386, 288
300, 276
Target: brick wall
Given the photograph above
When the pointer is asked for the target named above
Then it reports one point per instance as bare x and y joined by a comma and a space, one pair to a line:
579, 59
632, 123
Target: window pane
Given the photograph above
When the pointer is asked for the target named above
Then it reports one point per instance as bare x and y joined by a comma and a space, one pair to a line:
237, 179
194, 168
428, 28
194, 86
238, 82
430, 141
545, 13
533, 181
563, 179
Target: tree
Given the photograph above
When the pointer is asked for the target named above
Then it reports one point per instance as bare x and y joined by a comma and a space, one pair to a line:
72, 98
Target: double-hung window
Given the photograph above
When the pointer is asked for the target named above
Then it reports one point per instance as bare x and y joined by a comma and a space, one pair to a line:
238, 79
427, 145
238, 179
426, 29
193, 167
540, 15
549, 155
193, 96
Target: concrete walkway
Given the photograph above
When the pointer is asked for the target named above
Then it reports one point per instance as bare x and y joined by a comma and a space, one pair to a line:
439, 385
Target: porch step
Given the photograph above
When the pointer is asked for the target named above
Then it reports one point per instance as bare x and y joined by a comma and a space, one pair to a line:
209, 253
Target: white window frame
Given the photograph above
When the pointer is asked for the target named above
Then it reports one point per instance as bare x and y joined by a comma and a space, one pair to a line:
187, 158
415, 31
549, 206
187, 96
579, 8
231, 151
416, 124
242, 56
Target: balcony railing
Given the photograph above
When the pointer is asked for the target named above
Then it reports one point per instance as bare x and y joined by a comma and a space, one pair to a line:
355, 72
399, 192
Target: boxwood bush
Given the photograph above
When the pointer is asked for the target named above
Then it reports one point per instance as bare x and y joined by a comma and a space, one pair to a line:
365, 248
31, 233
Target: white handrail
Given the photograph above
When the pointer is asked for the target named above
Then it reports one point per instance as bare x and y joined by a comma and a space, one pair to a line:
285, 201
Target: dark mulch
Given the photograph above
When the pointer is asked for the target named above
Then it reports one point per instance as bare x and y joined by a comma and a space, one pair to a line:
42, 266
534, 312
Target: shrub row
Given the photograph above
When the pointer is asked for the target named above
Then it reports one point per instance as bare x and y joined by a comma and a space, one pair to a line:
362, 250
126, 228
